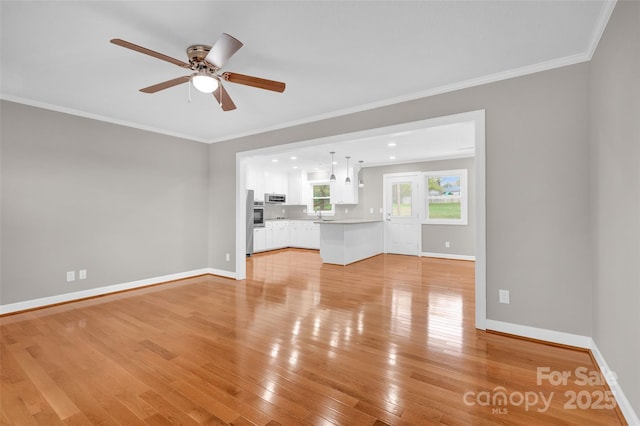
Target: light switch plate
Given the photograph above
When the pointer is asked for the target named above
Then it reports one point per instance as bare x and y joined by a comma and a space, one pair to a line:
504, 296
71, 276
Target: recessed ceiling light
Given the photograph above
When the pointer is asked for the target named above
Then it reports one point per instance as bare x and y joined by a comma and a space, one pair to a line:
293, 157
275, 160
393, 157
335, 162
391, 144
295, 167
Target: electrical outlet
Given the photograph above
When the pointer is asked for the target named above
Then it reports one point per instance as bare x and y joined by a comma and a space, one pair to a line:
82, 274
371, 210
71, 276
380, 210
447, 244
504, 296
228, 257
346, 210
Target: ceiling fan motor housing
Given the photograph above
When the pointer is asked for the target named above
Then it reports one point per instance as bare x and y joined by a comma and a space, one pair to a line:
196, 54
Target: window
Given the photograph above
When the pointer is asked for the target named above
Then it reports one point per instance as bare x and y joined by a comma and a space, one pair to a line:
321, 197
446, 197
401, 199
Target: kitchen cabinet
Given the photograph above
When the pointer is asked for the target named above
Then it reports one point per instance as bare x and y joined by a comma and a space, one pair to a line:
304, 234
294, 195
295, 229
255, 180
277, 234
268, 227
259, 239
276, 182
345, 193
281, 234
312, 236
266, 181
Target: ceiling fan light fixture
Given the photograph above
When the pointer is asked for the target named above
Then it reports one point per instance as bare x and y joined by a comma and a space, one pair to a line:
204, 82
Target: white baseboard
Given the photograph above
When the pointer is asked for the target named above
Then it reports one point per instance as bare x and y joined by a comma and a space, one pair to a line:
221, 273
540, 334
448, 256
99, 291
577, 340
625, 406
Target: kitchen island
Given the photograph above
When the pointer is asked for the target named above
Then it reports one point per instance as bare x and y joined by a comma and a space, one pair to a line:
349, 240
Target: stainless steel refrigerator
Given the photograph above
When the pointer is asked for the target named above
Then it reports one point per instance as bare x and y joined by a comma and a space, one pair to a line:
249, 222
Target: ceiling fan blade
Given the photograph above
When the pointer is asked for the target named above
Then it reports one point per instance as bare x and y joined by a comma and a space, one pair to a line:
223, 98
149, 52
165, 84
222, 50
248, 80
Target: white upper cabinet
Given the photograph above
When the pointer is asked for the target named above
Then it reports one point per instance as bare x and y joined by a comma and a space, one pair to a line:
255, 180
264, 181
295, 193
345, 193
276, 182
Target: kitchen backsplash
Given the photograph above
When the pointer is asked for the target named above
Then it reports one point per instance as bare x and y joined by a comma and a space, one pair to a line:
281, 211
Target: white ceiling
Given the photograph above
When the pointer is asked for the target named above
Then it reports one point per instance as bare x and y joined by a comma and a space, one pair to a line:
335, 56
454, 140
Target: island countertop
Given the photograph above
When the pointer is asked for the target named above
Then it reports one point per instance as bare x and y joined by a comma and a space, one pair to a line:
346, 221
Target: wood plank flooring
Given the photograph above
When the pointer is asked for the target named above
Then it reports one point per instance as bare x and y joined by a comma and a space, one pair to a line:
386, 341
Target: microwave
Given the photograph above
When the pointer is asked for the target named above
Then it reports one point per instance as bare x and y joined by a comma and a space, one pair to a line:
275, 198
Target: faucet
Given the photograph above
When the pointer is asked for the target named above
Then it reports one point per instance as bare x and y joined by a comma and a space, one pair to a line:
320, 214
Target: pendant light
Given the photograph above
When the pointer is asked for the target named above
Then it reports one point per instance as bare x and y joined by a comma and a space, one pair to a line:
361, 183
347, 179
333, 176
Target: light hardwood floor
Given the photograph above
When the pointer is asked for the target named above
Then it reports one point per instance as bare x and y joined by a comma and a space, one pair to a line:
386, 341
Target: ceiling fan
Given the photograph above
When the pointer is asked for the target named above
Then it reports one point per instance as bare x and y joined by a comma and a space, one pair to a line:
207, 61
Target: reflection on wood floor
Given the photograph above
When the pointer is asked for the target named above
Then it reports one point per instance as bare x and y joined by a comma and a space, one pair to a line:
386, 341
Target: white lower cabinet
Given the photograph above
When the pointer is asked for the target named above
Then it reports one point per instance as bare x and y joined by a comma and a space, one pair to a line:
304, 234
268, 227
259, 239
281, 234
314, 236
278, 234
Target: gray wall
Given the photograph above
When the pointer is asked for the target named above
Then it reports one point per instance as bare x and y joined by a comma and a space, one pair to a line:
536, 143
82, 194
615, 172
461, 237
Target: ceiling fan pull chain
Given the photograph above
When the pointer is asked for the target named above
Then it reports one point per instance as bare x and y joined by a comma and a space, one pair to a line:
189, 97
